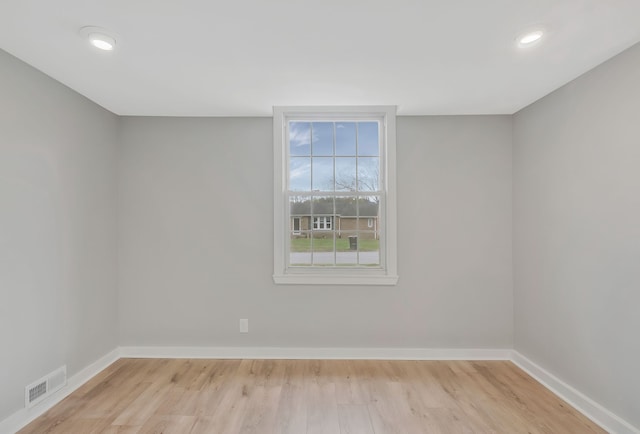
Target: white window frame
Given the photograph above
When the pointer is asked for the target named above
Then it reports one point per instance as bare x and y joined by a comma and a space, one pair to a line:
322, 223
386, 274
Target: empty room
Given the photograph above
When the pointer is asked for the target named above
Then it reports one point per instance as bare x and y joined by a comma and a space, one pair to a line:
332, 217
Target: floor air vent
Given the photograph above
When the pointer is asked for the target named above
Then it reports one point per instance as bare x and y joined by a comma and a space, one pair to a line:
39, 390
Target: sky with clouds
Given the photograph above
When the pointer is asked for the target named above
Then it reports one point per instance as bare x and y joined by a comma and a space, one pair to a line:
312, 158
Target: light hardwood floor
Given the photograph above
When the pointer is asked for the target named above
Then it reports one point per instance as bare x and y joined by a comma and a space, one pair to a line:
311, 396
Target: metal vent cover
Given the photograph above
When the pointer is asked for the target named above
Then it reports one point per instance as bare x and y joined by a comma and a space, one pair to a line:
39, 390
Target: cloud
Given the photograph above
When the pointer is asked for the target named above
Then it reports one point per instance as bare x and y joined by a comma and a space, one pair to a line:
299, 135
300, 170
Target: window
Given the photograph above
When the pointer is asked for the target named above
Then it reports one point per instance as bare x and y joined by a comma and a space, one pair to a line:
322, 223
334, 195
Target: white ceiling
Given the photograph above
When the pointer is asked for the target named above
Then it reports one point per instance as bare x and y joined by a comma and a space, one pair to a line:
240, 58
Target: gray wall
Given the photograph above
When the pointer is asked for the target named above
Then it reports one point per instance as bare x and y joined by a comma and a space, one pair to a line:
577, 233
196, 243
57, 230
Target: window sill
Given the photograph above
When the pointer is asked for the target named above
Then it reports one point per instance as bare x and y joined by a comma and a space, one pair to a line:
324, 279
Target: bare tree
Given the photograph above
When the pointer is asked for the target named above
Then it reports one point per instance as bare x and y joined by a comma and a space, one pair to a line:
368, 179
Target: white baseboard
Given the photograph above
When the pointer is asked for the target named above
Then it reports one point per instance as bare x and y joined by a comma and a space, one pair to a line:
314, 353
585, 405
22, 417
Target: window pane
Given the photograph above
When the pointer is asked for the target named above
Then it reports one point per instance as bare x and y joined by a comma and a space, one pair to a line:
369, 230
322, 207
347, 259
368, 173
299, 138
300, 174
300, 212
368, 143
345, 174
300, 246
346, 138
345, 207
346, 231
323, 259
368, 207
323, 222
322, 174
368, 248
300, 249
322, 138
323, 248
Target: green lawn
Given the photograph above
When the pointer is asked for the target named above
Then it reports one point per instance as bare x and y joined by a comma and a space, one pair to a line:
326, 245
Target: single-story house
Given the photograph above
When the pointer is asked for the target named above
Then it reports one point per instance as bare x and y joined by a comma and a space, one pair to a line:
318, 217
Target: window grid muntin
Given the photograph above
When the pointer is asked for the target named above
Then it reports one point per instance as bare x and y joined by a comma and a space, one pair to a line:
335, 193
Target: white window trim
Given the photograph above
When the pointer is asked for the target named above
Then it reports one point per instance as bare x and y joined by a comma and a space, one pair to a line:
387, 275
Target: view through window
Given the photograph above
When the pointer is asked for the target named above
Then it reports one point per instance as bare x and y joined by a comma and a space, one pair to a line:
334, 193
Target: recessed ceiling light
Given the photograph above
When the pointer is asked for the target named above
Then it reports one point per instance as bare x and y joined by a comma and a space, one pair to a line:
102, 42
530, 38
99, 38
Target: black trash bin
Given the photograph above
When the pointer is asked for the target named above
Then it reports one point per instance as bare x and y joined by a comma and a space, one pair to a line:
353, 242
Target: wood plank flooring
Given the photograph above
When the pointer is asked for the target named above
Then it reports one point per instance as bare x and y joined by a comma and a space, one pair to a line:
311, 396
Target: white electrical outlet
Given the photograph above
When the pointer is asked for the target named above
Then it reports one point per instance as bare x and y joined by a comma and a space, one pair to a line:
244, 325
